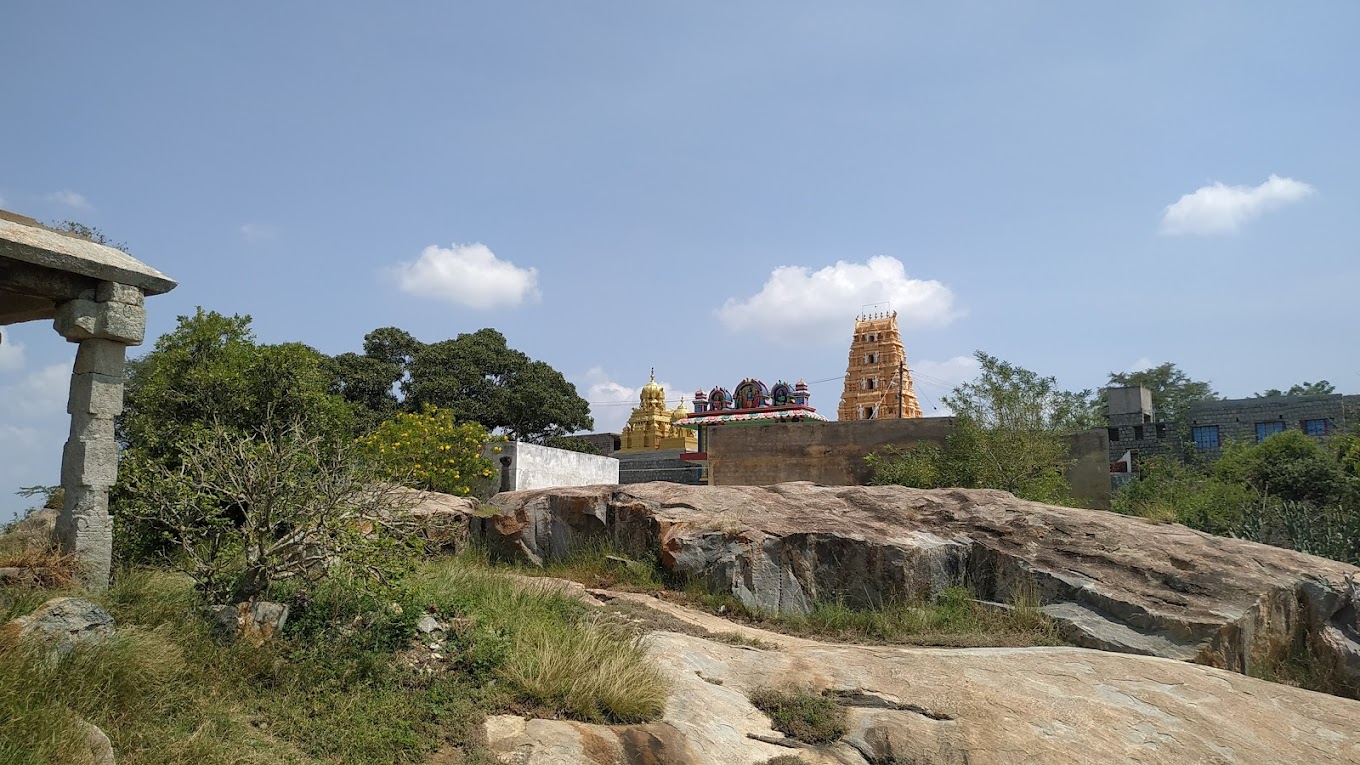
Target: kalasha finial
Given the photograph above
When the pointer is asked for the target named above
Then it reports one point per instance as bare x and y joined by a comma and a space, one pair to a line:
653, 374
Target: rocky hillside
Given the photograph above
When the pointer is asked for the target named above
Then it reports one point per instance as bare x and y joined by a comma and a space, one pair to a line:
929, 706
1112, 582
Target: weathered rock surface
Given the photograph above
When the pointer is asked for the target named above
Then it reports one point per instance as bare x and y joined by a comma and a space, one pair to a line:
441, 520
253, 621
95, 749
65, 623
947, 707
1110, 581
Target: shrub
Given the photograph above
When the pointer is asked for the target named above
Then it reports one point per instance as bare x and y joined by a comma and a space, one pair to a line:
801, 714
242, 512
430, 450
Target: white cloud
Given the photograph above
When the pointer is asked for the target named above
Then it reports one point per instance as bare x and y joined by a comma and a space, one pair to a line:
70, 199
612, 402
11, 352
1220, 209
469, 275
936, 379
799, 305
258, 232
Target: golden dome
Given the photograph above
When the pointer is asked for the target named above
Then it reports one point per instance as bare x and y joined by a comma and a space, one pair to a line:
653, 395
679, 413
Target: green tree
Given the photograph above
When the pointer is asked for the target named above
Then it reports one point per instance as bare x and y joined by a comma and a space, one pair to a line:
209, 370
243, 511
573, 444
1008, 434
476, 376
1172, 389
209, 374
1319, 388
431, 450
1288, 465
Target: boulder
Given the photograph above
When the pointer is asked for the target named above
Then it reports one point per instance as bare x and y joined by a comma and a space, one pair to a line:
1110, 581
95, 748
930, 706
440, 520
64, 623
253, 621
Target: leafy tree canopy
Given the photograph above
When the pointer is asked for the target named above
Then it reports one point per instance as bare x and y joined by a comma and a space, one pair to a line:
210, 371
1008, 435
475, 376
1319, 388
1009, 397
1172, 389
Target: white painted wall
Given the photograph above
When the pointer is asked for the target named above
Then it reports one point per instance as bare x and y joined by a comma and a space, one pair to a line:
543, 467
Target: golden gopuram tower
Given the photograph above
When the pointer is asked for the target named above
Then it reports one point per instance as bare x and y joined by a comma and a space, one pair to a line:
650, 425
877, 380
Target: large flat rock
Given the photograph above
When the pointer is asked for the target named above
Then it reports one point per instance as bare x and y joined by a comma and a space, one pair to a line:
1002, 706
1111, 581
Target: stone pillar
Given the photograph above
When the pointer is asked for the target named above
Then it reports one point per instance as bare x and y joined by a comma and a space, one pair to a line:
104, 322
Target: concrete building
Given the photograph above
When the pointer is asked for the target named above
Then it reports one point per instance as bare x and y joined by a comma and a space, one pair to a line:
1136, 432
531, 466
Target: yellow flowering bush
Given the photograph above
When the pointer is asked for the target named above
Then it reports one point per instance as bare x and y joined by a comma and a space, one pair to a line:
431, 450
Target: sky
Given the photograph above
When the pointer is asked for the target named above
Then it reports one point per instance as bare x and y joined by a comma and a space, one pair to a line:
711, 189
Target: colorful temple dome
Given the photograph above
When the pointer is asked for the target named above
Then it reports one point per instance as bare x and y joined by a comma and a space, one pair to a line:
653, 396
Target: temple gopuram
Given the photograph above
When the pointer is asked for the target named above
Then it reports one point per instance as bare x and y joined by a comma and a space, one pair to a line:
652, 426
877, 380
752, 402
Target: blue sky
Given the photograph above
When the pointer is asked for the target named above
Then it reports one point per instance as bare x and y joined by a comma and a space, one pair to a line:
713, 189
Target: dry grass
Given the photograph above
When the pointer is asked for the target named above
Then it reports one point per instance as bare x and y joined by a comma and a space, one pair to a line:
335, 688
801, 714
953, 619
29, 549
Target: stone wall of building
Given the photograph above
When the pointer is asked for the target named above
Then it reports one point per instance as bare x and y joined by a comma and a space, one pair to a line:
1089, 473
658, 465
832, 453
828, 453
607, 443
530, 466
1234, 420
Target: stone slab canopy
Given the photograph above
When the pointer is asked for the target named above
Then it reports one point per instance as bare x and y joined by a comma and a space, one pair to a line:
94, 295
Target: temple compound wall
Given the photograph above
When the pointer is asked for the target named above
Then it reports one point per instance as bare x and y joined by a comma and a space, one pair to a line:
94, 295
832, 453
827, 453
659, 465
530, 466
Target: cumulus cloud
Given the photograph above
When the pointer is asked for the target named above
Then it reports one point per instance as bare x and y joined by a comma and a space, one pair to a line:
611, 402
258, 232
798, 304
468, 275
11, 352
70, 199
1222, 209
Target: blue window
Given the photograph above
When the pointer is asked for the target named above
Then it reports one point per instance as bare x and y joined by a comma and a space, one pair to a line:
1206, 436
1265, 430
1315, 427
